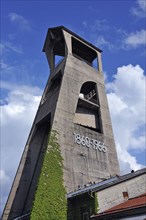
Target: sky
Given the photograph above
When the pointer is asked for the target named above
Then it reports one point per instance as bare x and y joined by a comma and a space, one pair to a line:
118, 27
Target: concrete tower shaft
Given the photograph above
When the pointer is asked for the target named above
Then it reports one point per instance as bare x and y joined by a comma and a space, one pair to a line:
74, 104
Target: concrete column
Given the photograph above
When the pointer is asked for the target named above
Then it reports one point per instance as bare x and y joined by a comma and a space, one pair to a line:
50, 58
99, 62
67, 37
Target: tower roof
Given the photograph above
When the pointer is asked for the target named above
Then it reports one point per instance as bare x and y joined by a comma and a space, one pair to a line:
59, 29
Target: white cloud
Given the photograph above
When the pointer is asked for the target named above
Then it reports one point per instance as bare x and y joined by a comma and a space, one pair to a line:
1, 47
14, 48
24, 89
23, 23
5, 183
136, 39
85, 24
140, 9
138, 143
99, 25
3, 65
4, 179
126, 96
7, 46
100, 34
101, 41
17, 114
126, 161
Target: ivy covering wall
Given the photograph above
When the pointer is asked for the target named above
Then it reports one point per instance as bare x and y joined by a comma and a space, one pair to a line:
96, 203
50, 199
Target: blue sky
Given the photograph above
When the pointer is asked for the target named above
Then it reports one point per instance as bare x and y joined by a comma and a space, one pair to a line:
117, 27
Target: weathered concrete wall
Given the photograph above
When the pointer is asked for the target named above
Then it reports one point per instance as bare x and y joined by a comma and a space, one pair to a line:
82, 164
24, 186
113, 195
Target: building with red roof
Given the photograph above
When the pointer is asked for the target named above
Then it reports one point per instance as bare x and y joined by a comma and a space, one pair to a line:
119, 197
134, 208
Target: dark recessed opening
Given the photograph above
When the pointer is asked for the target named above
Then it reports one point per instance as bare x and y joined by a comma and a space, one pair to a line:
58, 44
88, 109
89, 92
84, 53
55, 82
59, 52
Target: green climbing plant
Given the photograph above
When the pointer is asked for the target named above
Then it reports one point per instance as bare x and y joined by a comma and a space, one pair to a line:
96, 203
50, 201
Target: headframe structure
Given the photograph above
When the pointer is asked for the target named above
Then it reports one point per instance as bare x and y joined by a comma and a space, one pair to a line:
74, 105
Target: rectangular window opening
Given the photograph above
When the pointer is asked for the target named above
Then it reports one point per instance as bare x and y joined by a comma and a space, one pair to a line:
84, 53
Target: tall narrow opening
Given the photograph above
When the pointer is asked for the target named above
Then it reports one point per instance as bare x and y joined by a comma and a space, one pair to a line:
33, 161
59, 51
53, 87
